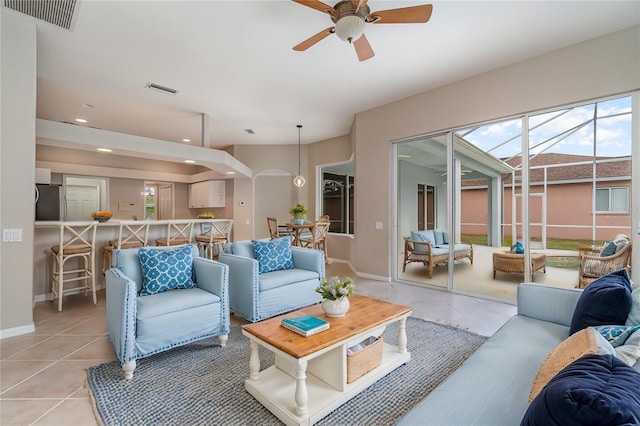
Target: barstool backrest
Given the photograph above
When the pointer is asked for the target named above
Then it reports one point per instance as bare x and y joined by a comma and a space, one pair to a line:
218, 230
77, 236
133, 233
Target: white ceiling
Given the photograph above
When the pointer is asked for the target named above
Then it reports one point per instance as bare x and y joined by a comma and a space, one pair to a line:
233, 60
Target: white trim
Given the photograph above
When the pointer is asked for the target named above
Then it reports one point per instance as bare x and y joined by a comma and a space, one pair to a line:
17, 331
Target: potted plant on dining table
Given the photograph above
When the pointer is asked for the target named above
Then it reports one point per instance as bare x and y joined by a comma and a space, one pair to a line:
335, 294
298, 213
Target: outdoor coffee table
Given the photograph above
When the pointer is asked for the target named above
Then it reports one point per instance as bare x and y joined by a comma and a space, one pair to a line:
506, 261
309, 378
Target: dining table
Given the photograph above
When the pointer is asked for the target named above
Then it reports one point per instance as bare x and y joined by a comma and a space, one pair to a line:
296, 231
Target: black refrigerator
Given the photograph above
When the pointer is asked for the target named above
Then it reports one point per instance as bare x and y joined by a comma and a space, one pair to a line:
49, 202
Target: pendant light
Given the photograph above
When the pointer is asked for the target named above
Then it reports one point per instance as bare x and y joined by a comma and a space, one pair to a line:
299, 180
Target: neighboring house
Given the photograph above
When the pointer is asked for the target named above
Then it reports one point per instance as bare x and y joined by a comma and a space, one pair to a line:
561, 198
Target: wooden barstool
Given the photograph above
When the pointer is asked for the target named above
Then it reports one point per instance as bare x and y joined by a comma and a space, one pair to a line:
178, 233
214, 236
77, 241
132, 234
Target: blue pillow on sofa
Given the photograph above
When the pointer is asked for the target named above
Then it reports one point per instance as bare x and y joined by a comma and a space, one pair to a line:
606, 301
426, 236
273, 255
164, 270
594, 390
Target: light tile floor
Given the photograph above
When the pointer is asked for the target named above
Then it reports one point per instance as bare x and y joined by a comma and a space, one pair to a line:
42, 375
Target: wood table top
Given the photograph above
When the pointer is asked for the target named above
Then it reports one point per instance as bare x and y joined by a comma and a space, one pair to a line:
364, 314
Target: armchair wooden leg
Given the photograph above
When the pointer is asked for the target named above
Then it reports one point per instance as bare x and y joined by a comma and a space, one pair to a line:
128, 369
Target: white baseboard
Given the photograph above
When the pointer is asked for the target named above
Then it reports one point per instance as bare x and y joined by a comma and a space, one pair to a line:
17, 331
360, 274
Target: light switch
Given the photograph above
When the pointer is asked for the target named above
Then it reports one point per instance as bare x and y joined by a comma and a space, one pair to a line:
11, 235
378, 225
246, 222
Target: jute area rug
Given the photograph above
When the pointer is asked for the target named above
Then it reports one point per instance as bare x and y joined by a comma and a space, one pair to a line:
203, 384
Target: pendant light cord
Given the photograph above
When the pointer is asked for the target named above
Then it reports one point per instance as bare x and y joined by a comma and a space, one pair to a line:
299, 128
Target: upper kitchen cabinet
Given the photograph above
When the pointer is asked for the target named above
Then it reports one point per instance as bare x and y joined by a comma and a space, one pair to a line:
210, 193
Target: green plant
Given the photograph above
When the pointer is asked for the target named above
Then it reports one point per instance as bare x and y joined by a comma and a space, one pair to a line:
298, 212
336, 288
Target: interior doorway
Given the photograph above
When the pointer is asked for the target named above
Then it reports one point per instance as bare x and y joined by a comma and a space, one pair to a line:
158, 201
83, 196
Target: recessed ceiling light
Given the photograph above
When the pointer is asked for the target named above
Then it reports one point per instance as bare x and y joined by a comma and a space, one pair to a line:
186, 140
104, 150
86, 105
189, 161
231, 173
81, 120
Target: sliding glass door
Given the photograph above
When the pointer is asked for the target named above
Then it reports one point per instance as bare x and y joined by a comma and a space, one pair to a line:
573, 188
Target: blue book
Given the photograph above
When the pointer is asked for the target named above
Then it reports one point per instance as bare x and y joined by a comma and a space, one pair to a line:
305, 325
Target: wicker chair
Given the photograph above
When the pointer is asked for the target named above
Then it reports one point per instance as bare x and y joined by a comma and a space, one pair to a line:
593, 266
422, 252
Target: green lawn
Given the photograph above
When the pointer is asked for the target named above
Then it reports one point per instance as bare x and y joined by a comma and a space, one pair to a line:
552, 243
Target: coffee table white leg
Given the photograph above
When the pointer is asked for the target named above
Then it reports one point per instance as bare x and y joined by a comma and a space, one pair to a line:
402, 336
301, 389
254, 362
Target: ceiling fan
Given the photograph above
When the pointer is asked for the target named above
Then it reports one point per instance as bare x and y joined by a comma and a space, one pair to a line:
350, 17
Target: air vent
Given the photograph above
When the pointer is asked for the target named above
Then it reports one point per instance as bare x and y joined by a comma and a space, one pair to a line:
250, 131
56, 12
161, 89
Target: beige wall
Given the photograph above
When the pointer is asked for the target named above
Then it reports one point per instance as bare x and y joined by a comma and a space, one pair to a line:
597, 68
17, 160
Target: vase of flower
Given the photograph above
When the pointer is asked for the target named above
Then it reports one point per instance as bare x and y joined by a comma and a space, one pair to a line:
336, 308
336, 292
298, 214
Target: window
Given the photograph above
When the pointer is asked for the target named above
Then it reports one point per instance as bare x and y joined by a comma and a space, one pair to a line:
338, 187
612, 200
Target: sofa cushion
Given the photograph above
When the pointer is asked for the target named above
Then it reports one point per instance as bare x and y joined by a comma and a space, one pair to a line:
171, 301
242, 248
445, 237
164, 270
634, 313
585, 342
616, 335
426, 236
594, 390
274, 279
629, 351
273, 255
606, 301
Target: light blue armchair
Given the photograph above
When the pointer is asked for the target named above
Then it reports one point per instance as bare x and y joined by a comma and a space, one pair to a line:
143, 325
257, 296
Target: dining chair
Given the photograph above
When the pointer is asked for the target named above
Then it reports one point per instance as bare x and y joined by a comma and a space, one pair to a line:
318, 239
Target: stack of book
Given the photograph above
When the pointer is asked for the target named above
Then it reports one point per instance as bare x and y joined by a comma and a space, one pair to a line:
305, 325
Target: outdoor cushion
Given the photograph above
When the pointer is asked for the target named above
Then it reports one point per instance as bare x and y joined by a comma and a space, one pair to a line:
606, 301
634, 314
438, 237
608, 249
426, 236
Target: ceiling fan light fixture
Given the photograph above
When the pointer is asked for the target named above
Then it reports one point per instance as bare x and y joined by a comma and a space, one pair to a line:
350, 28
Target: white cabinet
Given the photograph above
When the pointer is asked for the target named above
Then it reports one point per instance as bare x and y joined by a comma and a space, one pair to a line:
209, 193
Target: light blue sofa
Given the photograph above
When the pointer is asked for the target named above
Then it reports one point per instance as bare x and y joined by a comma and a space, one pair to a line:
140, 326
492, 387
257, 296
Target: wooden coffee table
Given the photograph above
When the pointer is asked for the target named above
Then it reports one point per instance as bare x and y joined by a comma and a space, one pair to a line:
309, 378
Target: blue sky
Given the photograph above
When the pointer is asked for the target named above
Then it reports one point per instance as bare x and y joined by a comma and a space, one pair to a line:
613, 133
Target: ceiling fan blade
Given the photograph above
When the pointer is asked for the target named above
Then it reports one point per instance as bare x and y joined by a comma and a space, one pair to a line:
317, 5
314, 39
404, 15
363, 48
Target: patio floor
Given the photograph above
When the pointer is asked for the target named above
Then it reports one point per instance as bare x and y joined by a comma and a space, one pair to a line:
478, 278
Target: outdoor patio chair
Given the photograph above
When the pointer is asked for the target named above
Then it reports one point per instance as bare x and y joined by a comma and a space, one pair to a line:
593, 265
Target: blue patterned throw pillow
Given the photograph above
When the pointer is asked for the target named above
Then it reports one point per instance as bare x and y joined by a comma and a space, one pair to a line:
273, 255
164, 270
